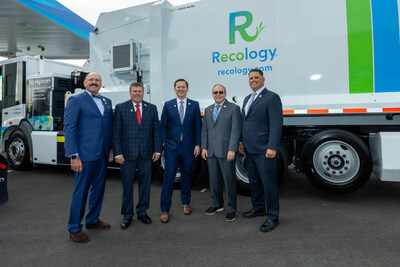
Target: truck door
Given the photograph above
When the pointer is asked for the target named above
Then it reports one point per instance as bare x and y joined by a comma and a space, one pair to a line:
13, 87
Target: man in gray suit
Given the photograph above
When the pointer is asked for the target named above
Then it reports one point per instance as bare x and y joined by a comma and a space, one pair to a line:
261, 133
219, 140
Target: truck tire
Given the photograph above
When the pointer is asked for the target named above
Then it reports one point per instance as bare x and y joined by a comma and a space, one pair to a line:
337, 161
17, 150
242, 179
159, 166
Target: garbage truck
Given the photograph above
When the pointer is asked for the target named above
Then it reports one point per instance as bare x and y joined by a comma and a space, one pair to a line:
335, 65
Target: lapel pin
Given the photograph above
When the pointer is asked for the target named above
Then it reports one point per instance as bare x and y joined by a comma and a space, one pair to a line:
189, 103
224, 106
174, 106
145, 105
131, 110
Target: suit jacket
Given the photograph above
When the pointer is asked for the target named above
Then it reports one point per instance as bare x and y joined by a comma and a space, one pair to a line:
86, 131
262, 126
172, 128
224, 134
131, 139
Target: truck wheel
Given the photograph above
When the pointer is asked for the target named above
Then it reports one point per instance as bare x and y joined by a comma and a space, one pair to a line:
159, 167
242, 179
337, 161
17, 149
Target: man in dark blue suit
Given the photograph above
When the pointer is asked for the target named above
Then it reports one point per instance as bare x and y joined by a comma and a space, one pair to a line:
88, 136
261, 133
181, 135
137, 142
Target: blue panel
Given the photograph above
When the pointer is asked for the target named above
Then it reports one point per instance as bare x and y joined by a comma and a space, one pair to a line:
60, 14
385, 20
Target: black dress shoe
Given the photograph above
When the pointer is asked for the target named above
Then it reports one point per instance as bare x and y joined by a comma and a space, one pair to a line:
126, 223
253, 213
212, 211
269, 225
144, 219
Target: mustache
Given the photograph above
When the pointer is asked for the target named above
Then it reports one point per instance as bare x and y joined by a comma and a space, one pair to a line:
93, 84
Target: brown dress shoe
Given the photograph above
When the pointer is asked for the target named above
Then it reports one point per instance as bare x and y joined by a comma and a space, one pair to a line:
164, 217
79, 237
187, 209
100, 225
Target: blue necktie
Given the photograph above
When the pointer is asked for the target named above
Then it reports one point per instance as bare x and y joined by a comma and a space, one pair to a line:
216, 112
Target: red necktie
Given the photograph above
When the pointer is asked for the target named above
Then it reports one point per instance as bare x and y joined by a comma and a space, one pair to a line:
139, 118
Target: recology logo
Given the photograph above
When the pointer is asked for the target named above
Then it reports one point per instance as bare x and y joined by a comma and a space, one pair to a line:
233, 28
244, 53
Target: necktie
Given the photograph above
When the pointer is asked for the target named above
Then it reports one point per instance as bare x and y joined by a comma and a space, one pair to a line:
181, 111
251, 99
216, 112
138, 116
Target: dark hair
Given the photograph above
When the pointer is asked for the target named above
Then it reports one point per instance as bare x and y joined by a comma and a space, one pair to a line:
136, 85
181, 80
257, 70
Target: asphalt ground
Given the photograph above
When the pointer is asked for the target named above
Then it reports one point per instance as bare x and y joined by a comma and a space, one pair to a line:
316, 229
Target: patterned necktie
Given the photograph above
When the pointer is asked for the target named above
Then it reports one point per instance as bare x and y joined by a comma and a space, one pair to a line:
250, 102
138, 116
181, 111
216, 112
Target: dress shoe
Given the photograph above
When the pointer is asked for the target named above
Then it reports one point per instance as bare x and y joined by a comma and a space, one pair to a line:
269, 225
253, 213
212, 211
100, 225
126, 223
164, 217
79, 237
144, 219
230, 216
187, 209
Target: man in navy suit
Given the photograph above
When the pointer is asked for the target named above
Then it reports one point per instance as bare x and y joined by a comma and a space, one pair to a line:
88, 136
137, 142
261, 133
181, 135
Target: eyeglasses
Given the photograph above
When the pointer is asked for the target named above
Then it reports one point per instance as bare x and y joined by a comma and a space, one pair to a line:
218, 92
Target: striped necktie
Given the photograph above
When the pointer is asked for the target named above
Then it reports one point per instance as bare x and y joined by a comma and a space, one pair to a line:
216, 112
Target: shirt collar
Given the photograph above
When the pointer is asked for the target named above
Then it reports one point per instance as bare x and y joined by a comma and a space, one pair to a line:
134, 104
92, 95
259, 91
178, 100
221, 103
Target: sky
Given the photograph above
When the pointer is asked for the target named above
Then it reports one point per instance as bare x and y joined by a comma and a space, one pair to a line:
91, 9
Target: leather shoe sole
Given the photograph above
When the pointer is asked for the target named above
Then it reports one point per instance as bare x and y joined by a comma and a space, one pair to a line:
253, 213
79, 237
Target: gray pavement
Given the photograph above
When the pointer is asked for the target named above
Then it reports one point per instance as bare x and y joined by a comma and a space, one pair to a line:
317, 229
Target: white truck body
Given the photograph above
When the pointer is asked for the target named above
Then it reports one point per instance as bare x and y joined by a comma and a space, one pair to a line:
333, 63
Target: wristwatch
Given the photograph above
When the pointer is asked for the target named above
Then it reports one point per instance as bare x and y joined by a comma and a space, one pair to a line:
73, 157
